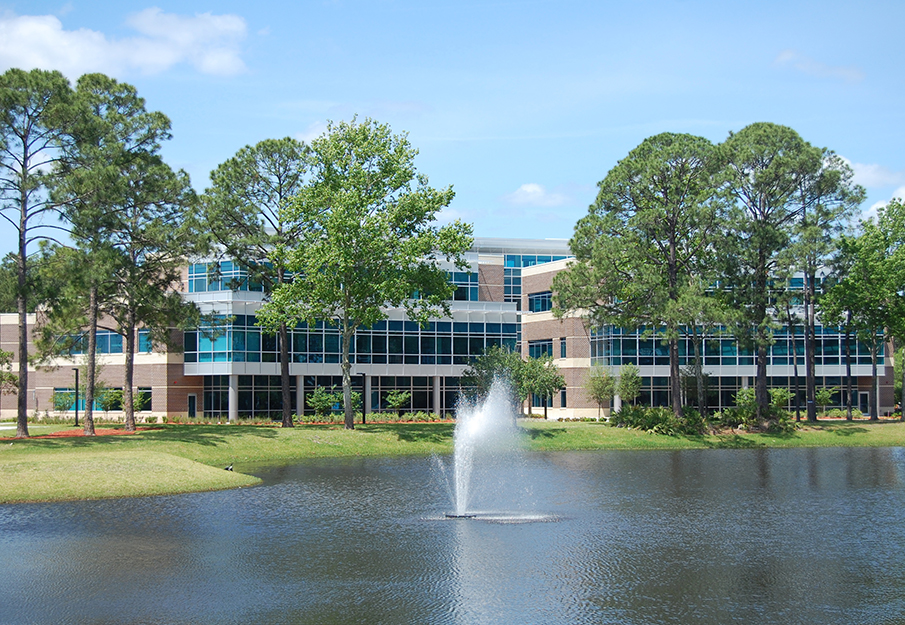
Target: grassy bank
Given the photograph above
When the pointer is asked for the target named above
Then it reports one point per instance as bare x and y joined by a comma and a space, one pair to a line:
187, 458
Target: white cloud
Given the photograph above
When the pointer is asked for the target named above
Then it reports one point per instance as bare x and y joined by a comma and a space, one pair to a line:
871, 212
872, 175
209, 43
448, 215
813, 67
533, 194
312, 132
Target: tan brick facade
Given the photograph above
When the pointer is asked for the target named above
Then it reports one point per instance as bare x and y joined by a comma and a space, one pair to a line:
162, 372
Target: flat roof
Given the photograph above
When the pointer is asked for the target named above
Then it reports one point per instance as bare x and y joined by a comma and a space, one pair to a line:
491, 245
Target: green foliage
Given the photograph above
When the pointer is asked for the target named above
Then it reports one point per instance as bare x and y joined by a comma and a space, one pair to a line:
63, 400
601, 387
765, 167
9, 381
367, 238
539, 376
780, 397
869, 276
108, 399
644, 249
242, 211
36, 123
322, 400
397, 400
824, 396
496, 361
629, 385
658, 420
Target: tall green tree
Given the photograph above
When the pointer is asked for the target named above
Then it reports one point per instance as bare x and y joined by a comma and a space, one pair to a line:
539, 376
765, 168
114, 133
153, 234
629, 385
827, 199
645, 241
35, 137
367, 239
243, 212
601, 387
869, 296
496, 362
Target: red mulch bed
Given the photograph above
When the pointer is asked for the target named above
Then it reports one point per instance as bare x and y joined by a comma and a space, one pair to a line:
80, 432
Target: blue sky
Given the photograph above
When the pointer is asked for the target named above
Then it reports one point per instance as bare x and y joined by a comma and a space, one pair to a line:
522, 106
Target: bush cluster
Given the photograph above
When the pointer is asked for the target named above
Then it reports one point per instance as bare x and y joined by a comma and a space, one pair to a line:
373, 417
658, 420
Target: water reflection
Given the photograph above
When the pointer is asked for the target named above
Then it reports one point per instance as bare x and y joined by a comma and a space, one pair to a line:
717, 536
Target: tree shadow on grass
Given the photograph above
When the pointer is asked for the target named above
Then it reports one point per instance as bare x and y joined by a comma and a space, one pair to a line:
839, 428
204, 435
535, 434
413, 432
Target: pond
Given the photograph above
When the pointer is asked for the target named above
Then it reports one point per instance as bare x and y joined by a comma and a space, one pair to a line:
713, 536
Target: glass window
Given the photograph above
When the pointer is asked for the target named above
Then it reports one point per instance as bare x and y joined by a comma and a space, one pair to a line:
540, 302
536, 349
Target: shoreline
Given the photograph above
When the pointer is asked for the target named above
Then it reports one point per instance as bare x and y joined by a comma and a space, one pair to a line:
173, 459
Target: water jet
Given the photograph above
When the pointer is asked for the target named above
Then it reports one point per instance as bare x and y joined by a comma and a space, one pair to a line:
485, 442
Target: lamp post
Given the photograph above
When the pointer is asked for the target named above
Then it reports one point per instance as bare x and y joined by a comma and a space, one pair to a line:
76, 369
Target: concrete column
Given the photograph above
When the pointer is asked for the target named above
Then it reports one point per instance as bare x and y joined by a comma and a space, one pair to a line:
437, 405
299, 395
617, 403
366, 396
233, 399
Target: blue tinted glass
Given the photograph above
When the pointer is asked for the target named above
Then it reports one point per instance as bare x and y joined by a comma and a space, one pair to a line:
444, 326
144, 341
460, 327
396, 326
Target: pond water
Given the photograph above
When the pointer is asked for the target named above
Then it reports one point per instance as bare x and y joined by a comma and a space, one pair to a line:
717, 536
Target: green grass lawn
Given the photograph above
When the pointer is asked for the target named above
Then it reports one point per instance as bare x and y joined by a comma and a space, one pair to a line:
188, 458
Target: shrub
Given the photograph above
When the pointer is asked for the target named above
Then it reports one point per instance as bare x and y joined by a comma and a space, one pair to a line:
658, 420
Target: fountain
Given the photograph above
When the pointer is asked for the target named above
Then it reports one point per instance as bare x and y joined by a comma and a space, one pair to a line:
486, 438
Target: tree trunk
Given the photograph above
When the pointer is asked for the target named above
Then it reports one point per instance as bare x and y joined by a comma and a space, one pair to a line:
791, 323
92, 360
902, 394
284, 375
848, 365
128, 403
699, 371
22, 308
761, 394
874, 383
809, 351
675, 381
347, 378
